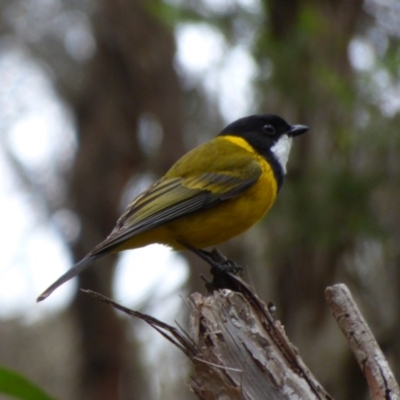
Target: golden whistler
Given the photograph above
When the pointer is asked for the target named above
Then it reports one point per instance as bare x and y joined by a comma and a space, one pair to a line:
213, 193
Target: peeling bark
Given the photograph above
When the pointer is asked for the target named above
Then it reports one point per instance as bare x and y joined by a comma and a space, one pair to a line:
244, 353
240, 351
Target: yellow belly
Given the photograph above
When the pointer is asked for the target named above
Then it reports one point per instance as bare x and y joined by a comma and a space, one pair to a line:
217, 224
225, 221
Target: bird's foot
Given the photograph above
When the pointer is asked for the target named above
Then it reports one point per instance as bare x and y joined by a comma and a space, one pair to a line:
220, 265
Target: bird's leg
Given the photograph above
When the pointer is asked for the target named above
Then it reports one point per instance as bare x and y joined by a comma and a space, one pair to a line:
219, 263
224, 263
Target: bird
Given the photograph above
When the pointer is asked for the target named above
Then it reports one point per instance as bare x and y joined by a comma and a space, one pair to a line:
211, 194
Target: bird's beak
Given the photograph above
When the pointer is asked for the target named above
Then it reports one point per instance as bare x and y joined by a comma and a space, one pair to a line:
296, 130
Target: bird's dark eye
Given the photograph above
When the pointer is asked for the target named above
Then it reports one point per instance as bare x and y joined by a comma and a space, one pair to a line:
269, 130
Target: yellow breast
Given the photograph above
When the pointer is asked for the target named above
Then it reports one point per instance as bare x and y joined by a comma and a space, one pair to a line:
222, 222
232, 217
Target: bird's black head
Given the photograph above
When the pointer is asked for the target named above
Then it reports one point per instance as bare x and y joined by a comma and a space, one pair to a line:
262, 131
269, 135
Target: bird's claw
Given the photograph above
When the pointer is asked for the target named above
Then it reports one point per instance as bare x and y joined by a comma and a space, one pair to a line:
220, 264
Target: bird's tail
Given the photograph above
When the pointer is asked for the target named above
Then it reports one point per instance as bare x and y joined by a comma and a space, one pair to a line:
75, 270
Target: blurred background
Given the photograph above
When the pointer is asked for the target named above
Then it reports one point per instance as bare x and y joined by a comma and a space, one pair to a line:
99, 98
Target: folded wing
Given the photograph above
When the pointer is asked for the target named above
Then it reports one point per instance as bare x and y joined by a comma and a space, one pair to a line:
172, 198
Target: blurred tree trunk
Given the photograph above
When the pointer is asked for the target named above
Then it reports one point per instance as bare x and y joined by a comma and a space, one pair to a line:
131, 75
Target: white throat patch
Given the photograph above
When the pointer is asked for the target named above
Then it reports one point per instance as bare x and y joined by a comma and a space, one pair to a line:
281, 150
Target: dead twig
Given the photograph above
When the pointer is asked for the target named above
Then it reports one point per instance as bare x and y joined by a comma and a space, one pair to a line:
381, 382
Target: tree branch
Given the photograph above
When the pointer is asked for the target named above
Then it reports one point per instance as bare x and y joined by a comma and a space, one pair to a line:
381, 381
238, 349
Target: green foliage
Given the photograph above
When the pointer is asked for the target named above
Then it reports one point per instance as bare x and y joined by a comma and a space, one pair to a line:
16, 385
171, 15
235, 24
